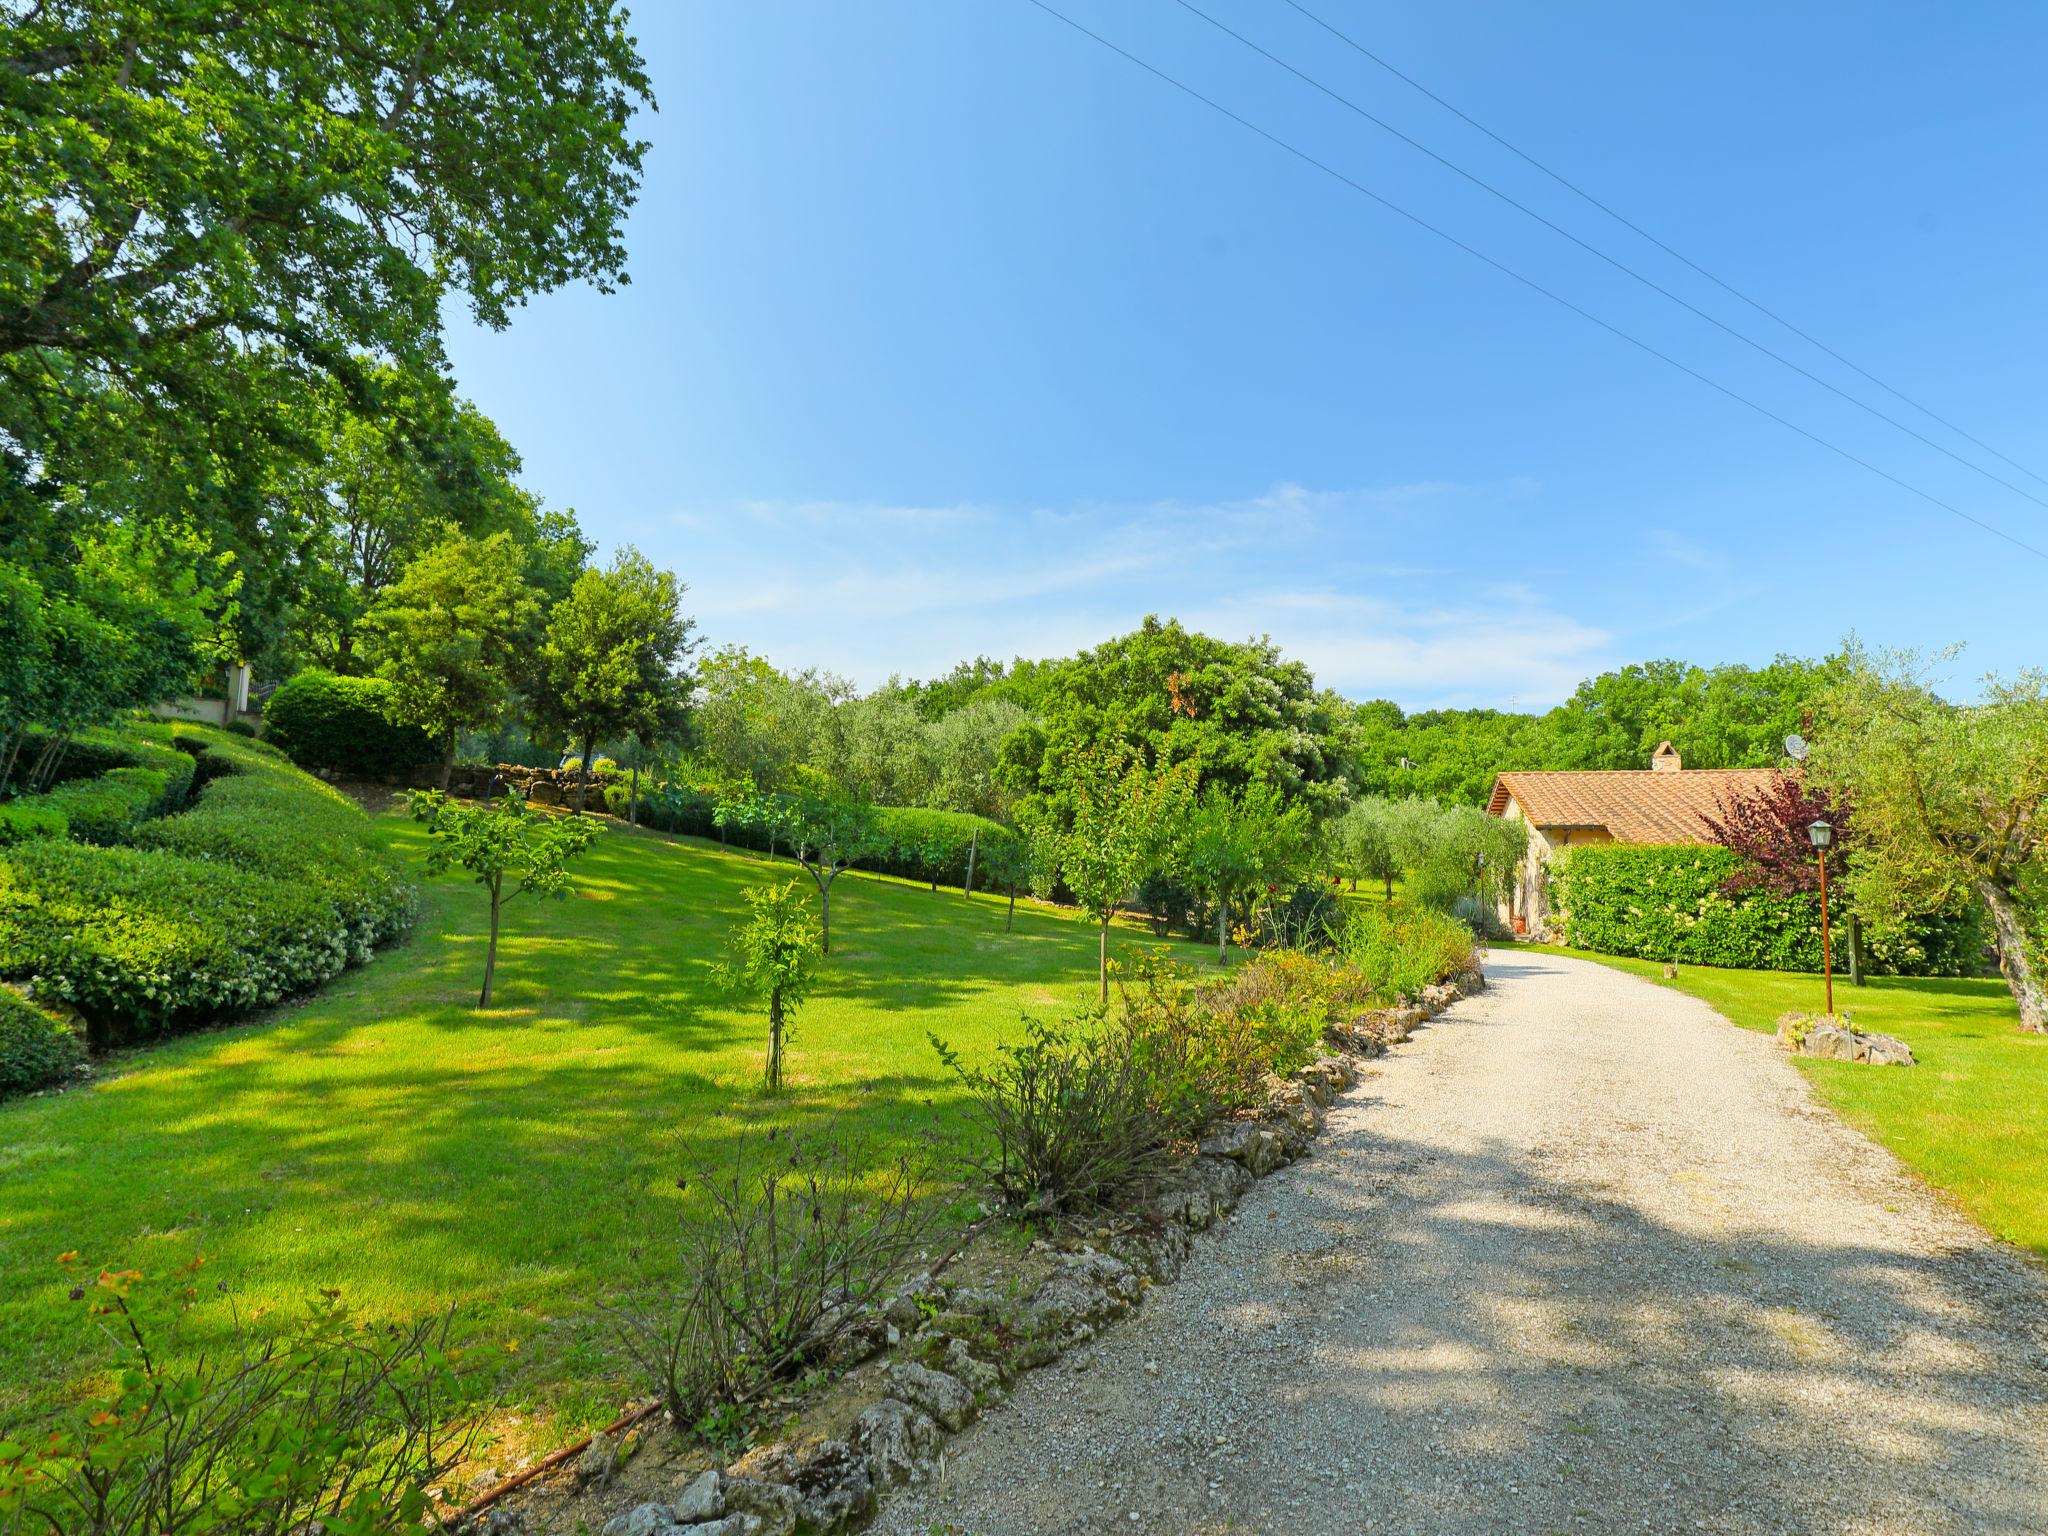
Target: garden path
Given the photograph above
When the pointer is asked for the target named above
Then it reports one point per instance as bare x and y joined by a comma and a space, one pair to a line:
1582, 1257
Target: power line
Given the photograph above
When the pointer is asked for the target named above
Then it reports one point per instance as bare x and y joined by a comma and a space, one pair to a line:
1528, 282
1615, 262
1677, 255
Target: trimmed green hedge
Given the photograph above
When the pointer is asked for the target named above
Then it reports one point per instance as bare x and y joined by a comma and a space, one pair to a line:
325, 722
37, 1049
269, 885
913, 835
133, 779
922, 843
1666, 903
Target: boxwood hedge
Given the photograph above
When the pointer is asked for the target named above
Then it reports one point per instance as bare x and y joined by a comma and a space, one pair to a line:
37, 1049
132, 779
916, 843
325, 722
269, 885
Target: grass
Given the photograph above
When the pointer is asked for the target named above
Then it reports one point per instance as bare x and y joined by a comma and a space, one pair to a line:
1971, 1117
386, 1138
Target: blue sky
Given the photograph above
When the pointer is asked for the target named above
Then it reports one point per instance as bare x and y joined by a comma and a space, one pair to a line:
951, 332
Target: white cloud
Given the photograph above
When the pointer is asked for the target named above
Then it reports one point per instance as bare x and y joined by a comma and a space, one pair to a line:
1397, 605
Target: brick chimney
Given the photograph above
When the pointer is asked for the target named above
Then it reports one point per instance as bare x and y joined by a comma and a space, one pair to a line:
1665, 759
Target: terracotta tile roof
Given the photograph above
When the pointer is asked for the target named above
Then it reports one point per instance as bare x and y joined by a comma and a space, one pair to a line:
1634, 805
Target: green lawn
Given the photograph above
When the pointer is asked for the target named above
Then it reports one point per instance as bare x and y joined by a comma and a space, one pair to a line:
1972, 1117
386, 1138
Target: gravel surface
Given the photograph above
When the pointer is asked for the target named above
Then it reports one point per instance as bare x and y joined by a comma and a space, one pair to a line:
1582, 1257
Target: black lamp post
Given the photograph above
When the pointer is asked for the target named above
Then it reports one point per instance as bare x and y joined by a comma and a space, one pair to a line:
1822, 834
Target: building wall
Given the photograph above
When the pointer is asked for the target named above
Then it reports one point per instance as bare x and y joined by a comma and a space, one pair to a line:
1532, 894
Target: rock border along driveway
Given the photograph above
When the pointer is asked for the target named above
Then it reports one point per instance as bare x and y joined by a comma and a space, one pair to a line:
1583, 1257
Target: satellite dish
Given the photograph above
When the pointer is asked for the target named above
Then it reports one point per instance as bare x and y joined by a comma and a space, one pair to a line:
1796, 748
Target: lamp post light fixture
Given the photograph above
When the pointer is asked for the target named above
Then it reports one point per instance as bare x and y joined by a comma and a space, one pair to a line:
1822, 834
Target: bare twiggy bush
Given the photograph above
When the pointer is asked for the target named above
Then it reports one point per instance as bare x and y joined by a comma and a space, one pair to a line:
786, 1258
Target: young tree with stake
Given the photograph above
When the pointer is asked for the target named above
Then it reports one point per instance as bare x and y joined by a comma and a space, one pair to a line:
774, 954
506, 842
831, 828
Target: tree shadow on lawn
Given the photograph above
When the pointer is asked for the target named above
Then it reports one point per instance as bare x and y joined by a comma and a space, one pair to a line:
1549, 1356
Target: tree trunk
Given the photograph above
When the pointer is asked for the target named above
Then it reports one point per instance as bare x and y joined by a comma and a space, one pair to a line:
491, 954
973, 843
448, 760
775, 1040
1388, 882
1855, 950
2029, 989
1222, 931
824, 916
583, 773
1102, 962
1010, 922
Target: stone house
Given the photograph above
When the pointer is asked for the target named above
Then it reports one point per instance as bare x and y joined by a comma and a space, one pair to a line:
1664, 803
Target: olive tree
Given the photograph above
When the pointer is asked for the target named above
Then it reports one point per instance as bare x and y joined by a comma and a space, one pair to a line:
1949, 799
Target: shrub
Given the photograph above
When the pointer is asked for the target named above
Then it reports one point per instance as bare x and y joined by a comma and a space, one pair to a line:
37, 1049
1672, 904
239, 728
320, 1425
338, 724
1392, 953
790, 1256
929, 845
269, 885
1071, 1116
21, 820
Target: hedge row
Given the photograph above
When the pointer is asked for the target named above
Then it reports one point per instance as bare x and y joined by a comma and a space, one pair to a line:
269, 885
133, 779
919, 844
1667, 903
37, 1049
337, 724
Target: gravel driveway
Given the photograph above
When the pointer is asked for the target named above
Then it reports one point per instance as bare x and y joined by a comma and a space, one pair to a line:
1582, 1257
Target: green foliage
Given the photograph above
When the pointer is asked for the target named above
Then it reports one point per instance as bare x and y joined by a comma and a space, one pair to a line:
1950, 802
933, 845
1394, 952
1234, 843
269, 885
326, 1424
497, 843
773, 954
1123, 818
37, 1049
215, 212
1667, 903
1729, 716
1164, 694
611, 664
130, 780
444, 635
833, 830
344, 725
